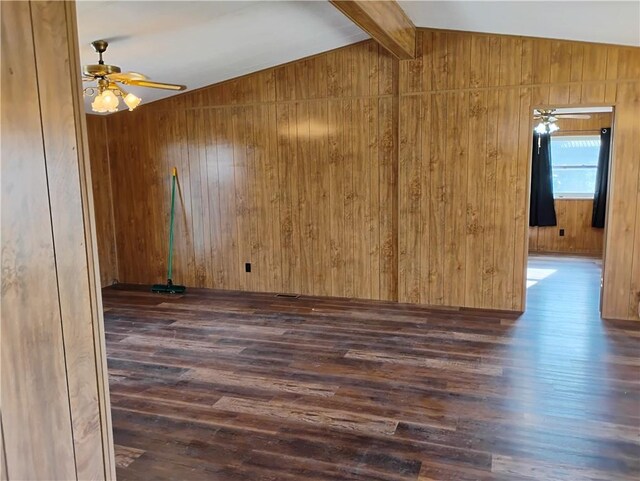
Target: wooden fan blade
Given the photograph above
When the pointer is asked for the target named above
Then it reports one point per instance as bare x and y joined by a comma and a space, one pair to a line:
126, 76
573, 116
154, 85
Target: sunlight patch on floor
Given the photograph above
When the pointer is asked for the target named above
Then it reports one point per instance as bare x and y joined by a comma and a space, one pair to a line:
535, 274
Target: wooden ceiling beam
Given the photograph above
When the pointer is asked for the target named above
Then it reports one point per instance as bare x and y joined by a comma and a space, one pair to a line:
385, 22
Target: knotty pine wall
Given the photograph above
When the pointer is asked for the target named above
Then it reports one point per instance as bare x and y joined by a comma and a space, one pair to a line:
313, 172
574, 215
590, 126
102, 198
291, 169
465, 133
55, 418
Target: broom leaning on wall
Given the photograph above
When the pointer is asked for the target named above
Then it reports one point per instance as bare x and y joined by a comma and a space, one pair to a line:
170, 287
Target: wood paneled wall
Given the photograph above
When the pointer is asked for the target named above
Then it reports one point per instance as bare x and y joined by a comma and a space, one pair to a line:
295, 169
291, 169
590, 126
102, 198
55, 410
574, 216
465, 134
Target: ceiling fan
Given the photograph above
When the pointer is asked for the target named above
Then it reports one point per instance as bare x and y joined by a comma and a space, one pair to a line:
108, 79
548, 119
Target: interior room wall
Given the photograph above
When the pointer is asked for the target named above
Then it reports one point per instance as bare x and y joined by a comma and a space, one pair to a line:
574, 215
465, 134
276, 169
291, 169
590, 126
102, 198
55, 414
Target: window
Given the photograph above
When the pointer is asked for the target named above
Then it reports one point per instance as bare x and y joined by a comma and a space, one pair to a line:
574, 162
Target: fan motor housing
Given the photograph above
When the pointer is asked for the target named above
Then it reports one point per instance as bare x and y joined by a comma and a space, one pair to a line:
97, 70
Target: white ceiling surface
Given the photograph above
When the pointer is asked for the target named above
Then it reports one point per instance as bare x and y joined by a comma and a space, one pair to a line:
204, 42
583, 110
615, 22
199, 43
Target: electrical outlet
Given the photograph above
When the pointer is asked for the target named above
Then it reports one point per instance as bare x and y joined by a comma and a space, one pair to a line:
247, 267
561, 232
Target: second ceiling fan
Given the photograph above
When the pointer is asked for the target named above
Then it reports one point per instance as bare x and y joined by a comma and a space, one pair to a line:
548, 119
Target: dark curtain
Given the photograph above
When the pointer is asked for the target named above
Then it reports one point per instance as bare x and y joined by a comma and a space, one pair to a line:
602, 179
542, 210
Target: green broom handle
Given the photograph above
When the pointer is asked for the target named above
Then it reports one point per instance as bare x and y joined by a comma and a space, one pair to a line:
174, 174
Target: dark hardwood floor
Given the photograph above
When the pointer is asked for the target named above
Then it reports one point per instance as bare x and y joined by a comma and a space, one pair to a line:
235, 386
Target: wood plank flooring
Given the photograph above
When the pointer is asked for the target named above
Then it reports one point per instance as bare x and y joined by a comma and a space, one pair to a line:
235, 386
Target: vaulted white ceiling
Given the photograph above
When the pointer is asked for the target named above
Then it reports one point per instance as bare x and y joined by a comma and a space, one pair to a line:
590, 21
200, 43
204, 42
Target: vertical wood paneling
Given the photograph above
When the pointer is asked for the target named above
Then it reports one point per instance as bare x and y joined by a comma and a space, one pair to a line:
386, 180
388, 185
594, 68
410, 199
292, 169
65, 198
227, 199
320, 179
490, 201
560, 74
348, 239
522, 172
242, 195
196, 153
301, 186
510, 61
621, 245
372, 205
634, 298
55, 407
574, 216
436, 201
39, 440
102, 198
440, 68
507, 126
336, 187
455, 171
425, 189
492, 185
479, 65
475, 194
577, 64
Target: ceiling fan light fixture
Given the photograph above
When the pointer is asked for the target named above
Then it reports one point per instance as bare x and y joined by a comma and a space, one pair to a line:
106, 101
110, 101
546, 127
132, 101
541, 128
97, 104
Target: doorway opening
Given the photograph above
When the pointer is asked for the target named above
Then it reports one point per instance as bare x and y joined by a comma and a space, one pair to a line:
571, 152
